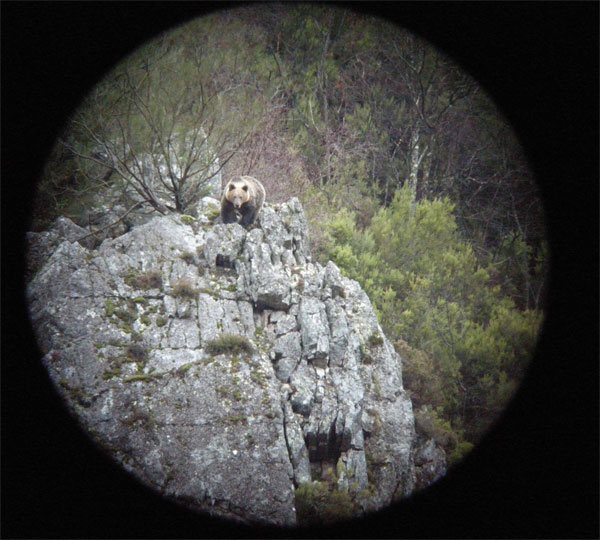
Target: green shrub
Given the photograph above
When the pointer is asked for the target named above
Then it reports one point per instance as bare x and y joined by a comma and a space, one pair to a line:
460, 452
110, 373
469, 344
148, 280
375, 340
184, 289
109, 307
188, 220
321, 502
431, 425
213, 213
126, 315
229, 344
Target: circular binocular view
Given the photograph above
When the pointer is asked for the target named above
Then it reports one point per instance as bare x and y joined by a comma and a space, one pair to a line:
287, 264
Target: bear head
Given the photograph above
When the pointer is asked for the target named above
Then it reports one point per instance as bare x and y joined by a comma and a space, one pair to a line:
237, 193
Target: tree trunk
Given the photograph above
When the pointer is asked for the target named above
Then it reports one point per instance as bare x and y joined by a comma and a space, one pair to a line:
417, 152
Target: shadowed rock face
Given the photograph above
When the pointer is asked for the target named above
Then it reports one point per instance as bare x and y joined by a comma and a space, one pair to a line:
137, 338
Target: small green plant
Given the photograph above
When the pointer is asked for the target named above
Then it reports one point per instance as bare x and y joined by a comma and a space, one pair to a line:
377, 384
140, 377
147, 280
161, 321
234, 419
188, 220
109, 374
365, 354
185, 367
126, 315
213, 213
375, 339
235, 364
184, 289
258, 378
187, 257
229, 344
109, 307
320, 502
461, 451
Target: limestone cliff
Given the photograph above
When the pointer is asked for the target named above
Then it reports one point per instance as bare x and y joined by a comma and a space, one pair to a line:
223, 368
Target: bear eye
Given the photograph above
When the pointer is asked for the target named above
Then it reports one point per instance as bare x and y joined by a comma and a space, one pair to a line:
245, 188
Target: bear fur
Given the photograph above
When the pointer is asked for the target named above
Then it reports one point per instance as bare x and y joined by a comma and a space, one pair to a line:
243, 196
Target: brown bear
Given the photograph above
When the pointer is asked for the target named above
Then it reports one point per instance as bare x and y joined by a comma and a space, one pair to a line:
243, 196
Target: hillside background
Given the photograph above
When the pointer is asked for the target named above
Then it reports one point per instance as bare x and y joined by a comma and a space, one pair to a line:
413, 183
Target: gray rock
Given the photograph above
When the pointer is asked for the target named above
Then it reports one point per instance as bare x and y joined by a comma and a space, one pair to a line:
296, 445
137, 338
430, 463
263, 276
314, 329
41, 245
223, 245
288, 351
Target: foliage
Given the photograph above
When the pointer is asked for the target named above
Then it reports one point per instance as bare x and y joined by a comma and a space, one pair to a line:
460, 452
229, 344
323, 501
317, 503
469, 344
147, 280
183, 288
429, 424
165, 120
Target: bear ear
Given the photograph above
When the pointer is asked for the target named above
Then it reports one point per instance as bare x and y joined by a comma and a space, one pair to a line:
231, 186
245, 188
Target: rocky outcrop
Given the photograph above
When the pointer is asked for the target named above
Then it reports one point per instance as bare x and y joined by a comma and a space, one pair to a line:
223, 368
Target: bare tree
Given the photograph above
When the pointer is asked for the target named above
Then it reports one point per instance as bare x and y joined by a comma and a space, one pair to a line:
162, 125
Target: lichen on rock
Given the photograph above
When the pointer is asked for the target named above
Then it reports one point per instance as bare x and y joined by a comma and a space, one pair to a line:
226, 370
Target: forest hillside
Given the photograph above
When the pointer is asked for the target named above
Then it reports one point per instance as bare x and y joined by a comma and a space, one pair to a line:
412, 182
